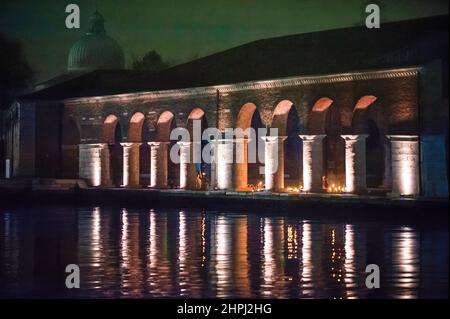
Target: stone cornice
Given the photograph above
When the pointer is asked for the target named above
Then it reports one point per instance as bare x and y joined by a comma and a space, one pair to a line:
253, 85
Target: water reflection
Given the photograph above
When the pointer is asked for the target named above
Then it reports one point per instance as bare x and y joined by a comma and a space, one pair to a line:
194, 254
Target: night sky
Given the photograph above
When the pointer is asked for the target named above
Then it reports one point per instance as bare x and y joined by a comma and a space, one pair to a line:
183, 30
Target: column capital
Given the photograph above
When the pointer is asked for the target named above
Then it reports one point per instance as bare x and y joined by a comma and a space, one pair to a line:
354, 137
94, 145
403, 138
130, 144
242, 139
225, 140
157, 143
273, 139
184, 144
312, 138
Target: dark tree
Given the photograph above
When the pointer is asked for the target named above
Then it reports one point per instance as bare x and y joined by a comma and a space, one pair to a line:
15, 72
151, 61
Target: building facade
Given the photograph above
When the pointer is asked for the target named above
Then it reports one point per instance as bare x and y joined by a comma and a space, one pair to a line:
381, 130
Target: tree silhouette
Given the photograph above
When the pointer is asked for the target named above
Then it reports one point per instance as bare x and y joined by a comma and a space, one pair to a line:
15, 72
151, 61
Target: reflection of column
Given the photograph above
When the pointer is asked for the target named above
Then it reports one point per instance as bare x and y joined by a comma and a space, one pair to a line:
405, 263
131, 164
185, 159
274, 162
240, 266
307, 260
355, 163
93, 161
269, 263
158, 164
223, 249
350, 262
241, 174
405, 164
312, 162
225, 164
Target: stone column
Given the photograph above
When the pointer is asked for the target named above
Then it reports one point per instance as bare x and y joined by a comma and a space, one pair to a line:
106, 179
131, 169
355, 163
185, 162
241, 173
93, 160
274, 162
158, 164
405, 164
225, 164
213, 181
312, 162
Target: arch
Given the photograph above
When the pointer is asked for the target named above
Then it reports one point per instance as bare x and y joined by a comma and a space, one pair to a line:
245, 115
111, 134
196, 114
69, 148
164, 126
108, 131
285, 118
280, 116
319, 117
135, 127
247, 173
368, 119
364, 109
194, 169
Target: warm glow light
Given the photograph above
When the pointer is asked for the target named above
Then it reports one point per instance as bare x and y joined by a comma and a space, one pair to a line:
307, 262
269, 258
350, 263
406, 262
405, 164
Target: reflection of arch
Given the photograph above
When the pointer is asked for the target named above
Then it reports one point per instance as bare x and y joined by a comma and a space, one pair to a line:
368, 119
247, 173
319, 117
69, 152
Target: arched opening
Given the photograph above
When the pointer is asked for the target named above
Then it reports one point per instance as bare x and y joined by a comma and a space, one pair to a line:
325, 120
199, 174
247, 171
368, 119
164, 126
285, 119
139, 131
112, 135
69, 148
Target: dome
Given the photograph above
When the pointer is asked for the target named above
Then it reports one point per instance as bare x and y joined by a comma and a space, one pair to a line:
95, 50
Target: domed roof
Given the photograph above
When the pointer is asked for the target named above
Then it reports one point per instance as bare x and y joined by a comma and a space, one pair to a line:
95, 50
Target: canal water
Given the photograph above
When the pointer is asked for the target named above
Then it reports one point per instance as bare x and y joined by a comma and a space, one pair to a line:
134, 253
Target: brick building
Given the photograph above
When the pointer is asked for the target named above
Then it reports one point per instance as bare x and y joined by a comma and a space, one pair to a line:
362, 109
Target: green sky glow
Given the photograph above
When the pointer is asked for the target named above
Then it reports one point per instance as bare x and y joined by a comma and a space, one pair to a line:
181, 30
